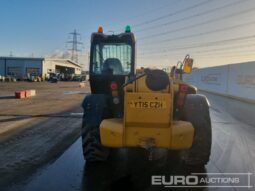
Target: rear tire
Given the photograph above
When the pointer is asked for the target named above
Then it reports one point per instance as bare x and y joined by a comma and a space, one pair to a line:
93, 150
196, 111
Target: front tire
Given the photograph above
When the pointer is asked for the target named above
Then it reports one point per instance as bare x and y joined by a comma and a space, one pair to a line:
196, 111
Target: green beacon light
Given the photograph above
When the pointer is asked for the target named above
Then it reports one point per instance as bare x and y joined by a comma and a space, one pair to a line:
127, 28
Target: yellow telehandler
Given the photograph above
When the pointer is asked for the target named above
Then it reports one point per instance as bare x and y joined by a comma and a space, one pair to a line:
141, 108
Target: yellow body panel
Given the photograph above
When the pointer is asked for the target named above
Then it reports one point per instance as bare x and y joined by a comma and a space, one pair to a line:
177, 136
147, 137
147, 109
148, 120
182, 133
111, 132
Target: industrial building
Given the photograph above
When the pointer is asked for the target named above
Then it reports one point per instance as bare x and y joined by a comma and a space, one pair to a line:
20, 67
61, 66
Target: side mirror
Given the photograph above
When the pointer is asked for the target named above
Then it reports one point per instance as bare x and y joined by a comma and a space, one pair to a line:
187, 64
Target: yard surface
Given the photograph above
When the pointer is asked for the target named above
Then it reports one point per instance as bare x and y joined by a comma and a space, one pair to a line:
51, 98
35, 130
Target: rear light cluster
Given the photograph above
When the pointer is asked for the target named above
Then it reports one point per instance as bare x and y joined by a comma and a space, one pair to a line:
183, 90
115, 94
114, 86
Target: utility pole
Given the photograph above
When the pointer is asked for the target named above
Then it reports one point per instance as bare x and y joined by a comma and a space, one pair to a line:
74, 43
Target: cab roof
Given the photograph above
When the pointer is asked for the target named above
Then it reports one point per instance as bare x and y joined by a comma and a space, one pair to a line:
127, 37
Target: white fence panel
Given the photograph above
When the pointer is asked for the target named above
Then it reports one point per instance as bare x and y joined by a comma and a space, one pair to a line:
235, 80
213, 79
241, 81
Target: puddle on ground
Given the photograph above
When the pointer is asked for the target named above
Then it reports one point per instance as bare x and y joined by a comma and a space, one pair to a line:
75, 92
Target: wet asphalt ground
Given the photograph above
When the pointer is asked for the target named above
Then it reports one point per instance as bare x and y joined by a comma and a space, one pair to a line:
233, 151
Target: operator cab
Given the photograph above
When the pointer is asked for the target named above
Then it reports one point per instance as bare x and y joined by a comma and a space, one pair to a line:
112, 58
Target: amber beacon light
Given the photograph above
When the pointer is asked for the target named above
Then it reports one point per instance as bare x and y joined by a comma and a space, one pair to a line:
100, 29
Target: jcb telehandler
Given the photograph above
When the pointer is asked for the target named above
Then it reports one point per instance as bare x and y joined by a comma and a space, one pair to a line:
141, 108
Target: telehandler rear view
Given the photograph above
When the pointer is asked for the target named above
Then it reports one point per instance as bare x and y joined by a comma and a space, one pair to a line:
141, 108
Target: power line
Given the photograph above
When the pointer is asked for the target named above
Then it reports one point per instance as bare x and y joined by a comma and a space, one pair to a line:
229, 54
227, 48
225, 52
194, 43
181, 11
204, 33
195, 15
213, 55
234, 53
144, 13
242, 56
196, 46
172, 14
151, 10
200, 24
233, 56
222, 51
155, 9
207, 44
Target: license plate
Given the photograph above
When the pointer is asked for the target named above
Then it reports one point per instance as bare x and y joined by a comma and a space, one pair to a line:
147, 104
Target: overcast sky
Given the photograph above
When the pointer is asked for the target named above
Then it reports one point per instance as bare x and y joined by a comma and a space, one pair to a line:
213, 32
